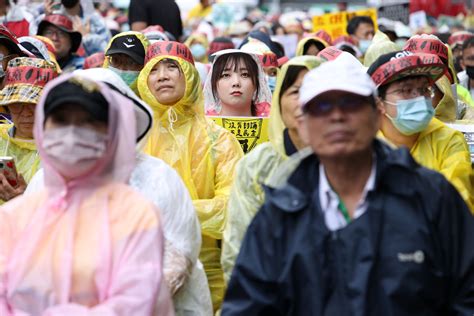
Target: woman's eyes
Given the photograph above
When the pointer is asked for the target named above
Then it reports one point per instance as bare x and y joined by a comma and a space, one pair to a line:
244, 75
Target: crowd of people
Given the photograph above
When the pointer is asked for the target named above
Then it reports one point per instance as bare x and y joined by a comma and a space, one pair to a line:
121, 195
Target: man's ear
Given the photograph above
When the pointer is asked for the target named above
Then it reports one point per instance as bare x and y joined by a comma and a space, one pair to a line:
462, 63
380, 106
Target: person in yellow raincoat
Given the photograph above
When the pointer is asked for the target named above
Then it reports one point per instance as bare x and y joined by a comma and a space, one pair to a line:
203, 153
125, 55
24, 82
262, 162
404, 81
313, 44
431, 44
199, 45
381, 44
447, 108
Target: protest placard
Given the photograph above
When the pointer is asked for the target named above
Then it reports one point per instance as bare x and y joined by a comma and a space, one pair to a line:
336, 23
249, 131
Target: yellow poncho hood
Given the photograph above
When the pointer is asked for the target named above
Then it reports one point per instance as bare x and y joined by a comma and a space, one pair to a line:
276, 125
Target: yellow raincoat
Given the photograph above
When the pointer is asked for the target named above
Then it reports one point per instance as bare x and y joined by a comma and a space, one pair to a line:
381, 45
23, 151
199, 38
143, 39
255, 169
445, 150
302, 43
203, 153
447, 107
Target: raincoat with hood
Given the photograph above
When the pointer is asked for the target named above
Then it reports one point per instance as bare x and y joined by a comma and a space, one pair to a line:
254, 170
445, 150
381, 44
201, 39
20, 90
262, 100
161, 184
449, 109
142, 38
203, 153
301, 44
24, 151
89, 246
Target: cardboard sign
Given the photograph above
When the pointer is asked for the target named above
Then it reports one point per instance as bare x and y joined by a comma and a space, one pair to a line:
467, 128
170, 49
249, 131
329, 53
336, 23
418, 20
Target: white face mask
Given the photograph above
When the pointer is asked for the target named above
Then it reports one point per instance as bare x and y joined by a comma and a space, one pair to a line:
74, 150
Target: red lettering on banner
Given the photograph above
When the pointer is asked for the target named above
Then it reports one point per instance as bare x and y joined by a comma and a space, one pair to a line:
169, 48
30, 75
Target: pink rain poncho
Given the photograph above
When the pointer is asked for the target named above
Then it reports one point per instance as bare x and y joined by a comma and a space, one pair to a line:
91, 246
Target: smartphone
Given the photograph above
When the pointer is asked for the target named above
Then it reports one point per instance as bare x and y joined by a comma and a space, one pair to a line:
56, 5
8, 168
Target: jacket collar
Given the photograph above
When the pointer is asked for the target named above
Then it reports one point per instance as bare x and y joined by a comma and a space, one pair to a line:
393, 166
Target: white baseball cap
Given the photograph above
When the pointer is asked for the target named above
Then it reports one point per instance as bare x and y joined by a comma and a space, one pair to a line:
341, 74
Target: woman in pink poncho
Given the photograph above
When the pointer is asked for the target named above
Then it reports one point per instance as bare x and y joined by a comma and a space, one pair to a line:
87, 244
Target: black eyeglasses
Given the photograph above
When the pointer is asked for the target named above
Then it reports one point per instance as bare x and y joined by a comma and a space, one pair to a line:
347, 104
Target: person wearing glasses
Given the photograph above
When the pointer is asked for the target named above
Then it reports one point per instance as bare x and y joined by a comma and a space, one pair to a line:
358, 228
24, 82
405, 80
59, 29
125, 55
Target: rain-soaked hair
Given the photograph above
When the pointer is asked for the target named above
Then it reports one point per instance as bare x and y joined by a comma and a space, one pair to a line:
231, 61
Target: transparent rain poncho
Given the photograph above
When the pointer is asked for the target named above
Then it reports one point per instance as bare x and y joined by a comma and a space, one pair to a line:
90, 246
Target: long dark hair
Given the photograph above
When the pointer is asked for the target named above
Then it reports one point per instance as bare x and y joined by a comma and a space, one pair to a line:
231, 61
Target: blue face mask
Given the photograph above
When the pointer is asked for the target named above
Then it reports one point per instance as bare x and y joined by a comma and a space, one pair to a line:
364, 45
198, 51
272, 80
129, 76
413, 115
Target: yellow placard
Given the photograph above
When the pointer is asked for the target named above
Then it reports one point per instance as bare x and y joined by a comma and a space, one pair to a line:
336, 23
249, 131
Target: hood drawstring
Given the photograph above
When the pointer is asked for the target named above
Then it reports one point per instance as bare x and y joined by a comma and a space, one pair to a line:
172, 118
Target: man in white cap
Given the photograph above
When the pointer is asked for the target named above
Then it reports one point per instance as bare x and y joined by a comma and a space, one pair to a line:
358, 228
